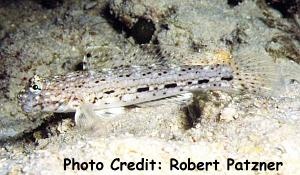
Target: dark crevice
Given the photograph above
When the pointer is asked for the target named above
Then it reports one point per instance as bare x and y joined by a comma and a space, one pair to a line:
45, 130
50, 4
233, 3
80, 66
142, 31
193, 114
286, 7
114, 22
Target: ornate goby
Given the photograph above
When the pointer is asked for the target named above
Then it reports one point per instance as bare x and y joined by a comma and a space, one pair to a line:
132, 85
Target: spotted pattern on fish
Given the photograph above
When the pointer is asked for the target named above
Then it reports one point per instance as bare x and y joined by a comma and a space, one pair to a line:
130, 85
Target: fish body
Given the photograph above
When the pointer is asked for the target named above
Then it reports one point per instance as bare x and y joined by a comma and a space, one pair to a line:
86, 91
122, 86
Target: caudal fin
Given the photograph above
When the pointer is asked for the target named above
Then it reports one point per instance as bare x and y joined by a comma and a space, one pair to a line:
258, 75
290, 70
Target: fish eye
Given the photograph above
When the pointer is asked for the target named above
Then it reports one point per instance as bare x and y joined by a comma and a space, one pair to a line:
35, 87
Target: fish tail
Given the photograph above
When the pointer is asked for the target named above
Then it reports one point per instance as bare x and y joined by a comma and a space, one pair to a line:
257, 75
290, 70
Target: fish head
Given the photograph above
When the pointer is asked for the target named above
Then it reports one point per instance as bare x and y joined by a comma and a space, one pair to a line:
29, 98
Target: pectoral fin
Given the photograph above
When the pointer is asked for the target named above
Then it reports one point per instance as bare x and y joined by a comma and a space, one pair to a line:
87, 117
